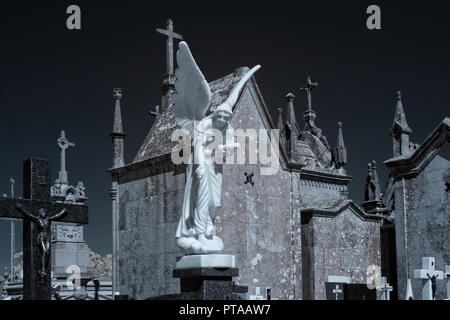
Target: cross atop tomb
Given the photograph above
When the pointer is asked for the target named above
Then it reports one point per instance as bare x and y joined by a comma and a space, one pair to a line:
63, 144
385, 289
337, 291
308, 88
168, 32
429, 276
37, 212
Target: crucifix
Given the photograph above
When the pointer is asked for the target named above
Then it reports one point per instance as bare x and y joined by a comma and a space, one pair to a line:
63, 144
308, 88
37, 211
429, 276
337, 291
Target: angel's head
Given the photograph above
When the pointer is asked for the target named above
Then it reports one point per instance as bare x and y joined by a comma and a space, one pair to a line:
221, 116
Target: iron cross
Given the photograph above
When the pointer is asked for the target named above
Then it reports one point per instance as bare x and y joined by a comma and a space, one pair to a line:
170, 36
37, 211
308, 88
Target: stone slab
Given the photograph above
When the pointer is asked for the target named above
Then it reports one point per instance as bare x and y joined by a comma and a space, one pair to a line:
206, 261
339, 279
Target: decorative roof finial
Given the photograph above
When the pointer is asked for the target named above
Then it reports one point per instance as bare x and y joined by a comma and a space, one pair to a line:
117, 93
117, 134
290, 114
308, 88
340, 151
280, 118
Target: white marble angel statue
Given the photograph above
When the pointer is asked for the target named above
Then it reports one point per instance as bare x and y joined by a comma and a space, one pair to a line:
196, 232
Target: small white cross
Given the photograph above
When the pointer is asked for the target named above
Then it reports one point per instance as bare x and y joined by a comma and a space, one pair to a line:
337, 291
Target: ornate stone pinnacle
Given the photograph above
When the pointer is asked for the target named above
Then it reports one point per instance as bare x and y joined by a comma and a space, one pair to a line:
280, 110
339, 124
117, 94
290, 96
399, 95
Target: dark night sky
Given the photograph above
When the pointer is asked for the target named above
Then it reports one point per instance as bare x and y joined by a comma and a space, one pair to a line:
52, 78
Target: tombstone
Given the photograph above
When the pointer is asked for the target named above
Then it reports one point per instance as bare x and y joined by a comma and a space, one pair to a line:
384, 290
429, 275
38, 211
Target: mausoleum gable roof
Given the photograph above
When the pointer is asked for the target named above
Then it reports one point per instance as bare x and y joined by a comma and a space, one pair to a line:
419, 159
158, 140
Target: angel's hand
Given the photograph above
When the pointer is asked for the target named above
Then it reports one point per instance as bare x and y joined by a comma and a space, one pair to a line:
200, 171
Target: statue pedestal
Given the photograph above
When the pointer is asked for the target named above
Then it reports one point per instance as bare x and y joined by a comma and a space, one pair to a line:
208, 277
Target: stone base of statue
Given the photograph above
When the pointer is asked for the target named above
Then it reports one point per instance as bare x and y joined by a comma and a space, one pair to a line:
208, 277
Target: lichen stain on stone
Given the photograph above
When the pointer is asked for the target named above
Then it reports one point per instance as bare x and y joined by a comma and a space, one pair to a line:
256, 259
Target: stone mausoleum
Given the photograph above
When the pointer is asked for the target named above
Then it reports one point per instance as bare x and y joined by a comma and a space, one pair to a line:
291, 232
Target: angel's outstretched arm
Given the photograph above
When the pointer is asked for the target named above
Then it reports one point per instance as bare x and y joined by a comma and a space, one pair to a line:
24, 211
59, 214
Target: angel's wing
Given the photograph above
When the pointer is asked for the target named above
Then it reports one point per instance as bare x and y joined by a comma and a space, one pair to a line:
193, 96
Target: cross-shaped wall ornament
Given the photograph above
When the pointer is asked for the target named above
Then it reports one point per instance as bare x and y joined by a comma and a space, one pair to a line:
249, 178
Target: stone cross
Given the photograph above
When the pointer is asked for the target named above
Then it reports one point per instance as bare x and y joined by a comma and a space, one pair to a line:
170, 36
429, 276
385, 289
337, 291
37, 211
308, 88
63, 144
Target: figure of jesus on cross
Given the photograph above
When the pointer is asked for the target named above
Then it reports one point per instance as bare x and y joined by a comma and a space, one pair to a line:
43, 241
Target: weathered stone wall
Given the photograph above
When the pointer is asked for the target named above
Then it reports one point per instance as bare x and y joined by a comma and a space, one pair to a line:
427, 207
149, 212
344, 245
314, 193
255, 221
